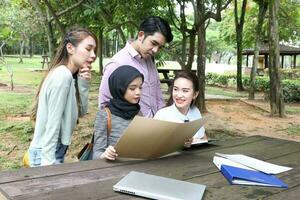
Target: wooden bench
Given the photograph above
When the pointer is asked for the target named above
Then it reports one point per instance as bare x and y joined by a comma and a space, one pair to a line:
168, 75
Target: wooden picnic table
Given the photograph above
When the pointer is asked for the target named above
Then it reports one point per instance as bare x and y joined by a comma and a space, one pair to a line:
94, 179
45, 60
168, 74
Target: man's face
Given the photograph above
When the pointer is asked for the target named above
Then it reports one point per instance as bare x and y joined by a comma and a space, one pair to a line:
150, 45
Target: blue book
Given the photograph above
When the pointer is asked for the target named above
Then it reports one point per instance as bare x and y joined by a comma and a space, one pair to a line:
240, 176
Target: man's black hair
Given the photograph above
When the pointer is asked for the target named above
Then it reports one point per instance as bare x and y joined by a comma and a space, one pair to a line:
154, 24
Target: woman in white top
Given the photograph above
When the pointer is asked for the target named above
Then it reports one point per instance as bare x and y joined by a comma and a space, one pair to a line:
181, 104
62, 97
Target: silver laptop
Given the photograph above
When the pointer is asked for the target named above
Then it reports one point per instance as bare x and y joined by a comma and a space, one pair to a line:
157, 187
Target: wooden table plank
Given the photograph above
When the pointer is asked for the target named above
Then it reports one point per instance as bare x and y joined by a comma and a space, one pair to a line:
290, 194
219, 188
197, 165
31, 173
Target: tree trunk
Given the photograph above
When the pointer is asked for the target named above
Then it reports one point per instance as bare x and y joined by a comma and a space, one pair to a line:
261, 15
201, 67
190, 60
201, 55
122, 35
100, 51
182, 58
50, 38
276, 94
239, 24
31, 47
47, 25
21, 51
55, 17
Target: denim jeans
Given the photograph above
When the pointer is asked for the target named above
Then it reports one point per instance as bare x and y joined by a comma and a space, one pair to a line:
35, 154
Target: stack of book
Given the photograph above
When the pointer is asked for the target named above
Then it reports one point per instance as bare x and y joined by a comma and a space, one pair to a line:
244, 170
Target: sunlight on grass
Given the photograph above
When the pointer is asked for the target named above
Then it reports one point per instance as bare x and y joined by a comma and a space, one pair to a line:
225, 92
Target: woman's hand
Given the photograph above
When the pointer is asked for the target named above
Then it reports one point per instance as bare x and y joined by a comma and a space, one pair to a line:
188, 143
85, 73
110, 153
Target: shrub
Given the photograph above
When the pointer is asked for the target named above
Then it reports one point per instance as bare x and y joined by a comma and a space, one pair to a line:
291, 90
290, 74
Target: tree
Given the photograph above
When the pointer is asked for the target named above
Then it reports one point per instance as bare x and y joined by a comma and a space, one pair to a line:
205, 12
192, 28
263, 5
187, 27
239, 25
276, 93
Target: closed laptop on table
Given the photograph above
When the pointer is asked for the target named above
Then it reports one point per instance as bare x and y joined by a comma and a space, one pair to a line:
157, 187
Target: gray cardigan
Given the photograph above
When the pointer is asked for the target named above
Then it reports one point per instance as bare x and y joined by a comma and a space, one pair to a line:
57, 112
101, 141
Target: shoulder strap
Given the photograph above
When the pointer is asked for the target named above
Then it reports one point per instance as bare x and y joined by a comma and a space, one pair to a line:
108, 120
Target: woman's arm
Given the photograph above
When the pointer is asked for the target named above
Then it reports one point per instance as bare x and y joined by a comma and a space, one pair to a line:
100, 134
57, 99
83, 86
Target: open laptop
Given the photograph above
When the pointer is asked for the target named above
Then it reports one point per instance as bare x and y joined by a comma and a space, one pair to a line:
157, 187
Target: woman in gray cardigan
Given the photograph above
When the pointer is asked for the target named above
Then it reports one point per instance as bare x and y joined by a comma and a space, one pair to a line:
62, 97
125, 85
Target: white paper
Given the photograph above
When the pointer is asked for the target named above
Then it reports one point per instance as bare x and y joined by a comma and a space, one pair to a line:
256, 164
243, 182
199, 141
218, 161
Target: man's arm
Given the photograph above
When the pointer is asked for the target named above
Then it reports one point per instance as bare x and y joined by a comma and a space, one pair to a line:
104, 93
159, 96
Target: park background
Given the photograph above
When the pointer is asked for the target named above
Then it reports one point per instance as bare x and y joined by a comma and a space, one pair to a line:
209, 36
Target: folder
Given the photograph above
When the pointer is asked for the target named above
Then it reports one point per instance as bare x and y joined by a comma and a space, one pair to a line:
147, 138
241, 176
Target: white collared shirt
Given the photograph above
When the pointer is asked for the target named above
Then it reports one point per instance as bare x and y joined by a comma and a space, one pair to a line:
172, 114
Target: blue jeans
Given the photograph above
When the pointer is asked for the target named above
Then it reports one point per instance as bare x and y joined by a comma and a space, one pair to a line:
35, 154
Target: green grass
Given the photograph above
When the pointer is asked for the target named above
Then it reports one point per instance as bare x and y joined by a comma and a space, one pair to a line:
11, 165
12, 103
225, 92
22, 130
292, 110
293, 130
23, 73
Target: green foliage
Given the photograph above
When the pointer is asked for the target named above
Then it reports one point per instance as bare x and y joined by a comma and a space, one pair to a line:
289, 23
261, 83
290, 74
291, 88
219, 79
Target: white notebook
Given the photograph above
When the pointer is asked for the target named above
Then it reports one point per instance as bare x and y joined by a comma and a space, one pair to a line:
157, 187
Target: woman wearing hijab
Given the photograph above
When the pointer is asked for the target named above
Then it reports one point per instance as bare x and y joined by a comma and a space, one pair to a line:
125, 85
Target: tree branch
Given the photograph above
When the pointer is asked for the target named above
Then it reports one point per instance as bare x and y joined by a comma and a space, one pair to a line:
67, 10
61, 27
